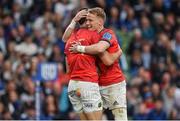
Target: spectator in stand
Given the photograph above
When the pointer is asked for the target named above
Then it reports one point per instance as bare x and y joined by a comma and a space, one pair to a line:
158, 112
148, 33
142, 113
147, 30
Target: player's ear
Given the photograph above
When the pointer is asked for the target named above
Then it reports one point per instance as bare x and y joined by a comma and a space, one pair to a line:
101, 22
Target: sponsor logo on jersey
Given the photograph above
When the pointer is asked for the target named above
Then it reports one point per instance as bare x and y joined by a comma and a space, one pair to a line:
88, 105
107, 36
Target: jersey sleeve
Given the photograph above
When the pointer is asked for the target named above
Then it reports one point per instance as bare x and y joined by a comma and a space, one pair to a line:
107, 36
110, 37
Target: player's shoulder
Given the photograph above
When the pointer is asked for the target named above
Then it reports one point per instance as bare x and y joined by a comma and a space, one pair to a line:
107, 32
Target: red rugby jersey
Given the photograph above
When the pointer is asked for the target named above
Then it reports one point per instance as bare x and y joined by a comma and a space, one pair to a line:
82, 66
110, 74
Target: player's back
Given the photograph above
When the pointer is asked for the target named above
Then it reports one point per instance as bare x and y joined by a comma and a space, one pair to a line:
82, 66
110, 74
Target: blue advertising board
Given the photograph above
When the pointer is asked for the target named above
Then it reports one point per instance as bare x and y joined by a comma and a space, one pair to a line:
47, 72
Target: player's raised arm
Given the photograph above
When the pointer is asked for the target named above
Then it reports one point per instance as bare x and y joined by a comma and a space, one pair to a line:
72, 25
68, 31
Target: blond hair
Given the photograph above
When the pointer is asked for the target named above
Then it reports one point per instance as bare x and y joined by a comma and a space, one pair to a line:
98, 12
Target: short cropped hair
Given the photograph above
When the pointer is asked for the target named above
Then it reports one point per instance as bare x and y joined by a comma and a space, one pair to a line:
98, 12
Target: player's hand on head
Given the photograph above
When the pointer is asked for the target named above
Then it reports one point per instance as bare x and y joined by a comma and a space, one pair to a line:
80, 14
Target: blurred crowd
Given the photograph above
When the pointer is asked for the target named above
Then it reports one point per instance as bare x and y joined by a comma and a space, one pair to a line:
148, 32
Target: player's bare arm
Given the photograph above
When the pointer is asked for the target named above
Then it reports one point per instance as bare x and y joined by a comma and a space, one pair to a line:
97, 48
109, 58
72, 25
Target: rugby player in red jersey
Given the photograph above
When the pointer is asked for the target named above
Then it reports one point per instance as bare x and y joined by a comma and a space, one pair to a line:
83, 89
111, 79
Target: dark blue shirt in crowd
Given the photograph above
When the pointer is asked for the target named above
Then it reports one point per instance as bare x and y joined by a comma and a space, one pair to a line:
157, 115
140, 117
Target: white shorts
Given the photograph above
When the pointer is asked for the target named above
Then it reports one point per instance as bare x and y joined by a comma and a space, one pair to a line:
114, 96
84, 96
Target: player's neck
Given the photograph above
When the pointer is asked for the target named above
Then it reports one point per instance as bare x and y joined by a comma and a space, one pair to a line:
100, 29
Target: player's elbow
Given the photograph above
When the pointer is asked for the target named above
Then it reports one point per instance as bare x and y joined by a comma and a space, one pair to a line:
120, 52
101, 46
